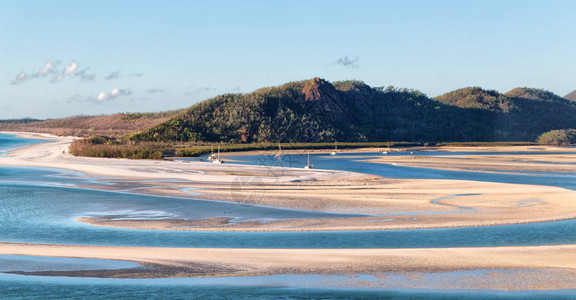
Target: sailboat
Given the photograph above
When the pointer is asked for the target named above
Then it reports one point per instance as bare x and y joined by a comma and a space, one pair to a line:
387, 150
335, 149
279, 154
308, 166
218, 160
212, 156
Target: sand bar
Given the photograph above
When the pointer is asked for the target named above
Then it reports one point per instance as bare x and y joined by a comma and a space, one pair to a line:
54, 154
255, 262
390, 203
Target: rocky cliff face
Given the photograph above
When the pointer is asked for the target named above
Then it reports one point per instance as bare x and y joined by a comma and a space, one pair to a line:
325, 102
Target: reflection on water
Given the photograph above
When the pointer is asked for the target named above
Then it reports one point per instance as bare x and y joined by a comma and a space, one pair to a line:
268, 287
20, 263
351, 162
33, 210
36, 206
40, 214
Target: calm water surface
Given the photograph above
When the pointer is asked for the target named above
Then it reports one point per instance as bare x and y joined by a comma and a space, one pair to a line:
39, 205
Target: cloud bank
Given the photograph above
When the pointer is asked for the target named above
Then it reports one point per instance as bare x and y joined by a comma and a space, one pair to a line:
66, 72
47, 69
50, 68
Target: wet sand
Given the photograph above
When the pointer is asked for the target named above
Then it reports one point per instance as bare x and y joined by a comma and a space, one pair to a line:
388, 203
55, 155
525, 162
204, 262
411, 203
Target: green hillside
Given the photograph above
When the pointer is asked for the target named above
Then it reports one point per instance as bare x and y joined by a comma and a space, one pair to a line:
560, 137
478, 98
318, 111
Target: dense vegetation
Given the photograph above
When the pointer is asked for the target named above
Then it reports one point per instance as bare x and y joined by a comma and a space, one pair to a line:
477, 98
102, 146
561, 137
315, 112
19, 121
318, 111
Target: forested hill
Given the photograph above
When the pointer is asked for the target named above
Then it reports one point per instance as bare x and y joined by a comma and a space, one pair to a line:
316, 110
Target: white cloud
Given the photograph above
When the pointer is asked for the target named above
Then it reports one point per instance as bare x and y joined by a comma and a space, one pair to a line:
67, 71
20, 78
48, 68
115, 93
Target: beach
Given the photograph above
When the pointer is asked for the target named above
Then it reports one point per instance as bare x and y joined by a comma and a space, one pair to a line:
540, 266
381, 203
385, 203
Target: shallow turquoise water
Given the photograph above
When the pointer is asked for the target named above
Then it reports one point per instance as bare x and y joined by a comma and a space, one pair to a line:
39, 205
271, 287
9, 142
22, 263
351, 162
45, 214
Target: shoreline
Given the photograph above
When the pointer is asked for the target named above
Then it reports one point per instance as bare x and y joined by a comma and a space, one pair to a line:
448, 203
391, 204
542, 262
407, 150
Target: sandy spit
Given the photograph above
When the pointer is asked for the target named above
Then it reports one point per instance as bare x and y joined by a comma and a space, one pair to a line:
254, 262
390, 203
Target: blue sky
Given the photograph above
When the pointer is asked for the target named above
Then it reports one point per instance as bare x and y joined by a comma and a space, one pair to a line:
63, 58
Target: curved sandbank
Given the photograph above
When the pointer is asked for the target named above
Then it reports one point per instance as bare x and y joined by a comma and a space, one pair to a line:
529, 160
545, 261
54, 154
391, 203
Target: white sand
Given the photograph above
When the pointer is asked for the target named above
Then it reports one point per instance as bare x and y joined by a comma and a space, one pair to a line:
331, 191
55, 155
399, 204
253, 262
